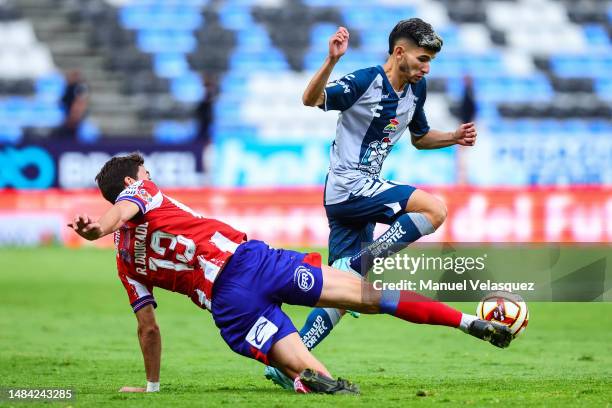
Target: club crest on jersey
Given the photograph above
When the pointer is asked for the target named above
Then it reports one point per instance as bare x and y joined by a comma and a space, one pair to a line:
144, 195
392, 126
303, 278
375, 155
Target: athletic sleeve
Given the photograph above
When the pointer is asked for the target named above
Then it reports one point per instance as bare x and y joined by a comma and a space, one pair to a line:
344, 92
139, 294
144, 194
418, 125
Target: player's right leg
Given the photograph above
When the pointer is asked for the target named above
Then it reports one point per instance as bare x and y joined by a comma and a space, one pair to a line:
342, 290
293, 358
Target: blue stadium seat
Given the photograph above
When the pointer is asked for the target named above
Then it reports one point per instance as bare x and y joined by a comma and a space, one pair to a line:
256, 39
325, 3
450, 36
375, 40
487, 111
596, 35
187, 88
172, 132
236, 16
600, 126
45, 114
170, 65
590, 65
374, 15
16, 110
160, 16
603, 88
271, 61
10, 133
513, 89
50, 87
88, 132
155, 41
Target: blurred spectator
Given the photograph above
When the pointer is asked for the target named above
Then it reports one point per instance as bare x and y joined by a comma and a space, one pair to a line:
466, 114
205, 116
467, 109
74, 103
205, 109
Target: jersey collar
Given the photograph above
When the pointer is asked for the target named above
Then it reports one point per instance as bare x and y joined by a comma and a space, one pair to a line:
388, 85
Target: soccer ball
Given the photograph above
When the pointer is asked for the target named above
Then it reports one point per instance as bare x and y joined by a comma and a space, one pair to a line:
506, 308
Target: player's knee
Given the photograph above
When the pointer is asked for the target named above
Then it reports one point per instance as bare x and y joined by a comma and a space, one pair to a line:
148, 330
370, 301
436, 213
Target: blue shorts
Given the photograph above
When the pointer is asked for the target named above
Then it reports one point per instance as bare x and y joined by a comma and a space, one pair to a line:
248, 294
351, 223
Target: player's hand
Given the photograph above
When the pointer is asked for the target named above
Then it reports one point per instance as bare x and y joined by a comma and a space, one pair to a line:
132, 389
465, 135
338, 43
86, 227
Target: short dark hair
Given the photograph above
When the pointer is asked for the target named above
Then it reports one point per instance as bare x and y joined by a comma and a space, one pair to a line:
417, 31
110, 178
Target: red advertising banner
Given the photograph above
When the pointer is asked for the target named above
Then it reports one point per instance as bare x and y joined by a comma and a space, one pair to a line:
295, 217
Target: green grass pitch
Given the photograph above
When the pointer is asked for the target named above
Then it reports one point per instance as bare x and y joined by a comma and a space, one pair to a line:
65, 322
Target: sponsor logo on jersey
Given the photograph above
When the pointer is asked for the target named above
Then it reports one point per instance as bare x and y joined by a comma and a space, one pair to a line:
261, 332
303, 278
392, 126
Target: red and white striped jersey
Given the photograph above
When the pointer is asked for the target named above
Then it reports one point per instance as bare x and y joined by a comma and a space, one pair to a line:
170, 246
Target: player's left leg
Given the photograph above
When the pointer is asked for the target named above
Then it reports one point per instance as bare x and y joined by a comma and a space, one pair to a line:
411, 214
292, 357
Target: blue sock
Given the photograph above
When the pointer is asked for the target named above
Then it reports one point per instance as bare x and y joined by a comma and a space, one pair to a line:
318, 325
406, 229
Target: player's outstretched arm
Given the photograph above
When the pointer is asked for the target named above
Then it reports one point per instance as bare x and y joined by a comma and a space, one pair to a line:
111, 221
338, 43
465, 135
150, 343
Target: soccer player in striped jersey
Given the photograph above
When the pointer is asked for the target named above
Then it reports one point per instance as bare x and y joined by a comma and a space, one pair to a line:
162, 243
377, 106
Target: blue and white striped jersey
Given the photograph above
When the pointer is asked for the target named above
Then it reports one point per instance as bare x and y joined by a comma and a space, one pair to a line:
372, 119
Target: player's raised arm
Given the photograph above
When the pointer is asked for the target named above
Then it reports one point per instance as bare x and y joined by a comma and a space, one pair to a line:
465, 135
338, 43
149, 337
111, 221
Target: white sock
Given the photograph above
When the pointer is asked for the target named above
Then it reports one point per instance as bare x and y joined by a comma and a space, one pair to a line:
466, 320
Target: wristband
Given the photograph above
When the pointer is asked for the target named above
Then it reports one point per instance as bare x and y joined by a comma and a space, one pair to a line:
152, 386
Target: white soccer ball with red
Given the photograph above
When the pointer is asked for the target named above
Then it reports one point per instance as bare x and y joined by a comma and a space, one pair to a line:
506, 308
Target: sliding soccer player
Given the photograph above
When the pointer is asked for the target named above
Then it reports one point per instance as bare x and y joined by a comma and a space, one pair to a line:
162, 243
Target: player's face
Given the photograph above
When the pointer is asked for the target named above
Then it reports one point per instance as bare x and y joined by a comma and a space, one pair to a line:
143, 173
414, 63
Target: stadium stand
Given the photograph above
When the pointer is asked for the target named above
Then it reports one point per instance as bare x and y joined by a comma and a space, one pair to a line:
545, 63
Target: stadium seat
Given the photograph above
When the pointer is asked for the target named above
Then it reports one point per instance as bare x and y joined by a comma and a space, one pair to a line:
187, 88
170, 65
172, 132
88, 132
166, 41
50, 87
10, 133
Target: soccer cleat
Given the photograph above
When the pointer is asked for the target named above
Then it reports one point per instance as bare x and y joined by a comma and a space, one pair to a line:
343, 264
321, 384
278, 378
495, 333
